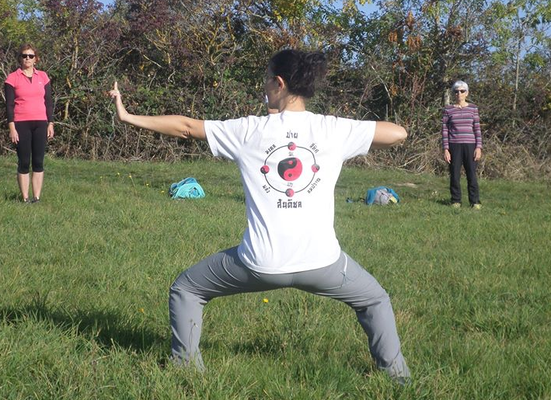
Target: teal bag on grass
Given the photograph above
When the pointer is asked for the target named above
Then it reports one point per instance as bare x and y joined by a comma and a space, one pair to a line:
187, 188
381, 195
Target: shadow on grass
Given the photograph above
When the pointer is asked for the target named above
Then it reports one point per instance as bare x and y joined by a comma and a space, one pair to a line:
444, 202
103, 327
12, 196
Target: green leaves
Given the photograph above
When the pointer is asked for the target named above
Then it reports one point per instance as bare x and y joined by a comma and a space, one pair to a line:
207, 59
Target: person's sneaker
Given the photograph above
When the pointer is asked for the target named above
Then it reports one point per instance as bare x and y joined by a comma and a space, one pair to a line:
26, 201
477, 206
35, 200
456, 205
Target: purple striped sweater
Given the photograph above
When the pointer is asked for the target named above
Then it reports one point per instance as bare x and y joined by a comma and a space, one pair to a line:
461, 125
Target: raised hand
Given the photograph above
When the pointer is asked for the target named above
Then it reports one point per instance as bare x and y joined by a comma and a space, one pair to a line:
116, 95
170, 125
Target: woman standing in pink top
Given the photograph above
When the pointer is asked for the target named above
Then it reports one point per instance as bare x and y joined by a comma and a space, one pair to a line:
30, 119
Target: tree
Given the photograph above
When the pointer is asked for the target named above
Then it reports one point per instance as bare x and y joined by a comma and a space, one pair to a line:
521, 28
17, 25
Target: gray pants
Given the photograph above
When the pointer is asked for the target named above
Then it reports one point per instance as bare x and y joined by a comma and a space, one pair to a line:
224, 274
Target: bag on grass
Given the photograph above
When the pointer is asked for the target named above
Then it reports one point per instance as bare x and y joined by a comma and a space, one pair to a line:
188, 188
381, 195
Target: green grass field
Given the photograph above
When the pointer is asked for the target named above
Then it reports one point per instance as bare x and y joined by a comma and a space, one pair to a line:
85, 273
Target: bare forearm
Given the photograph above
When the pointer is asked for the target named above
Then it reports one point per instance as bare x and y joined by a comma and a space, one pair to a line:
388, 134
170, 125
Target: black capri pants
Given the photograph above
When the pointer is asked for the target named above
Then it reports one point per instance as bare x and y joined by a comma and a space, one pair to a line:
33, 136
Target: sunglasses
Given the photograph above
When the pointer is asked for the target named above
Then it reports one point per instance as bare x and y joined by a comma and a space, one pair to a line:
460, 91
31, 56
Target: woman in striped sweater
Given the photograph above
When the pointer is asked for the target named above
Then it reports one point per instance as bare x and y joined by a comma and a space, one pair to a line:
462, 144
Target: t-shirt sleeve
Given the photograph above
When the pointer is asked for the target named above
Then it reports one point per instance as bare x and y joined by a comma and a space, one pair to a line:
45, 77
10, 80
356, 136
225, 138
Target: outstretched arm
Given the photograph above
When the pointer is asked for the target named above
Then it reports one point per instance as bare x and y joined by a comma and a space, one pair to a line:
170, 125
388, 134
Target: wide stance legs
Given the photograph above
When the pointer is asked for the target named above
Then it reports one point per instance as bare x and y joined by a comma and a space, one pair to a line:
224, 274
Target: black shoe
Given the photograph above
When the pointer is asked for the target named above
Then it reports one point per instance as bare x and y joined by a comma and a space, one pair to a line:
35, 200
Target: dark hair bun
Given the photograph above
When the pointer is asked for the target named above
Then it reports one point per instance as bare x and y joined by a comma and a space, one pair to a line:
300, 70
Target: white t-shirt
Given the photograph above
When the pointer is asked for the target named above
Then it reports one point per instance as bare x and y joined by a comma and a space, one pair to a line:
289, 164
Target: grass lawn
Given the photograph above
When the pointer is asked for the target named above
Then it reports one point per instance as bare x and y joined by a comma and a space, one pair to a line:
84, 278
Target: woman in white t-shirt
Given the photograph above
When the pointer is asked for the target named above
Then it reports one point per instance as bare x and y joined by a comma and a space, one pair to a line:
289, 161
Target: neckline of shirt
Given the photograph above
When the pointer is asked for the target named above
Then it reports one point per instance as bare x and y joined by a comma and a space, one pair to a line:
35, 72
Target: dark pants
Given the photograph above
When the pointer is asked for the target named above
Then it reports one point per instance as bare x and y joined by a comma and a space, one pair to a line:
462, 154
33, 136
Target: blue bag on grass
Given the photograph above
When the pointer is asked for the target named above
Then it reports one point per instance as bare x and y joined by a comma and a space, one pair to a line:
381, 195
187, 188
